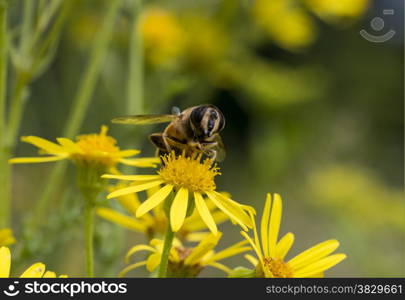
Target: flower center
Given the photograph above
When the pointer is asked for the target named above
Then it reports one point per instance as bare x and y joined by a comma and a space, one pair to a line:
96, 148
189, 172
278, 267
183, 252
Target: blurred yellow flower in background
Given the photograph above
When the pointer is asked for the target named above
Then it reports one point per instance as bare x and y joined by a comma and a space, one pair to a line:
286, 22
163, 37
187, 179
207, 43
183, 261
37, 270
356, 195
270, 261
337, 10
94, 150
192, 39
6, 237
154, 223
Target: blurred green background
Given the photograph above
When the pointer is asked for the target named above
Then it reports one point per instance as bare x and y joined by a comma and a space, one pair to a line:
314, 112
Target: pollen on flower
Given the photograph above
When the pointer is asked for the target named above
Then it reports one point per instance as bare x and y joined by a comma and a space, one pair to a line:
189, 172
278, 267
96, 148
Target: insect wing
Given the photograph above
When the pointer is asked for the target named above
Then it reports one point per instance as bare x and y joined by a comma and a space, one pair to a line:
144, 119
220, 148
221, 152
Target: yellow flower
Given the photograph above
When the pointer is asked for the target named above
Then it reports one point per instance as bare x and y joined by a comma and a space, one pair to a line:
37, 270
154, 223
183, 261
188, 180
163, 37
270, 261
285, 22
6, 237
95, 150
206, 41
335, 10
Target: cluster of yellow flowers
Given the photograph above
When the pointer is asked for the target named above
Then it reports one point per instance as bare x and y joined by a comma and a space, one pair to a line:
182, 202
168, 36
289, 24
194, 39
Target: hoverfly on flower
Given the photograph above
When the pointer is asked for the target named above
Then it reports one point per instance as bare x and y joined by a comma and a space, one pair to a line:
194, 130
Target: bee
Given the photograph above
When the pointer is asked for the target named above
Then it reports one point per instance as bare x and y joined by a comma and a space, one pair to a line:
193, 130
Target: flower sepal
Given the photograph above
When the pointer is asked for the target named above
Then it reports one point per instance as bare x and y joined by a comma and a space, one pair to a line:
90, 182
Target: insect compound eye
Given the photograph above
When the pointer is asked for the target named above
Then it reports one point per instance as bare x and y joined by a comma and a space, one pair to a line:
196, 115
221, 120
212, 120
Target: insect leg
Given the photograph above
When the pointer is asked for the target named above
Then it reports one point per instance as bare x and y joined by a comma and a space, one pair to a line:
158, 140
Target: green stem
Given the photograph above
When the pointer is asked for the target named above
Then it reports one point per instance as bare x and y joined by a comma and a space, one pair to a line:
166, 252
3, 65
26, 30
90, 184
88, 235
89, 79
5, 199
24, 74
81, 102
135, 103
18, 102
4, 167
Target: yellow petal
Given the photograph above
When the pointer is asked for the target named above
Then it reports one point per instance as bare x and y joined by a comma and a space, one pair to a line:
143, 162
5, 262
274, 226
205, 213
133, 189
317, 275
196, 236
153, 261
136, 249
130, 202
220, 267
35, 271
247, 237
313, 254
154, 200
131, 177
251, 259
127, 153
43, 144
69, 145
320, 266
232, 251
120, 219
284, 245
206, 245
194, 223
234, 211
239, 244
178, 210
264, 226
28, 160
255, 235
6, 237
219, 217
131, 267
49, 274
